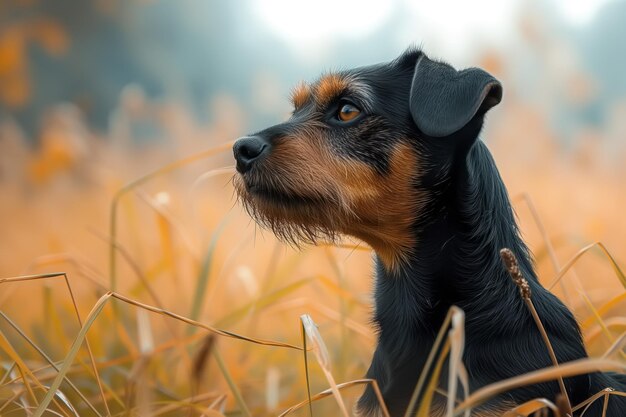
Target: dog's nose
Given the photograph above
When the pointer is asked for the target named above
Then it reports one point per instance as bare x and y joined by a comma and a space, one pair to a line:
247, 150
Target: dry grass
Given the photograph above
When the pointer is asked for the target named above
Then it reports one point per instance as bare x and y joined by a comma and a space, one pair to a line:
171, 302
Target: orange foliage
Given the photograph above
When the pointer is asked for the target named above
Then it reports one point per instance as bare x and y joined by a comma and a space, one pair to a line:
14, 40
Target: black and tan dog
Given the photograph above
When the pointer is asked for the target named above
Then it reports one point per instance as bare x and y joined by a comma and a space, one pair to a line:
390, 154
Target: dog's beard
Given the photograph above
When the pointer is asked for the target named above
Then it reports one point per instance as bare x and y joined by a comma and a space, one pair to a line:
318, 218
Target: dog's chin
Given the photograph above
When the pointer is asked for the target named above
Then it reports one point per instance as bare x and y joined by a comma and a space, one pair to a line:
282, 198
294, 218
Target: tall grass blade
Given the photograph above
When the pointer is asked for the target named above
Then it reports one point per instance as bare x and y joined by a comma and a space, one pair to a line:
605, 308
50, 362
205, 271
321, 354
201, 360
92, 360
546, 239
455, 364
431, 388
231, 383
618, 323
329, 392
305, 351
201, 325
542, 230
531, 407
616, 347
564, 370
595, 314
69, 358
23, 370
66, 401
272, 389
410, 411
618, 271
8, 370
343, 312
185, 403
510, 262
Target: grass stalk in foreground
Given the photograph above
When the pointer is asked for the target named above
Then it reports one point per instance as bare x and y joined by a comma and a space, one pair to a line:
510, 261
429, 363
231, 383
328, 392
546, 240
618, 271
578, 367
93, 315
321, 354
49, 360
306, 368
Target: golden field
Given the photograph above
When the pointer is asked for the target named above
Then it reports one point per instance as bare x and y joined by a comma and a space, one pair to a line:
132, 283
189, 263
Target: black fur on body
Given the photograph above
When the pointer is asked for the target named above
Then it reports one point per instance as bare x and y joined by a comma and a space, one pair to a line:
416, 133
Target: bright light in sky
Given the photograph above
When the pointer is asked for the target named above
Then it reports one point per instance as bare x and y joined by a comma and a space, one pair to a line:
579, 12
448, 25
298, 21
457, 20
452, 27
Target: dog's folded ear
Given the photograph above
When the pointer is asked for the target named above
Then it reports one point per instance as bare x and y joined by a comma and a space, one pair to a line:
443, 100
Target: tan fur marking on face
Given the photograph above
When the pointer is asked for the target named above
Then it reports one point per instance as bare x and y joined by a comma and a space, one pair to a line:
384, 207
344, 196
300, 94
329, 87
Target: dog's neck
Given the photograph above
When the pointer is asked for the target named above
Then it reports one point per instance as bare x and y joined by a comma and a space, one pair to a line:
456, 260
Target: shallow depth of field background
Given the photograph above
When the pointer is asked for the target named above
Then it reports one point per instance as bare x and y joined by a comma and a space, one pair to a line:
95, 94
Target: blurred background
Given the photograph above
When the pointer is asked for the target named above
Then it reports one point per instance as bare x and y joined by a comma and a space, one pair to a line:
95, 94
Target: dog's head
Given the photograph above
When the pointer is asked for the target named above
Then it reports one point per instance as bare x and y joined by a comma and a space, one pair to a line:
362, 152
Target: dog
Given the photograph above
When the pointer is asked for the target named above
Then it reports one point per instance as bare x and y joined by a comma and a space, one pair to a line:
390, 155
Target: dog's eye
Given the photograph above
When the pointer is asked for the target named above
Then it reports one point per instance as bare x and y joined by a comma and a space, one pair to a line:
347, 112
